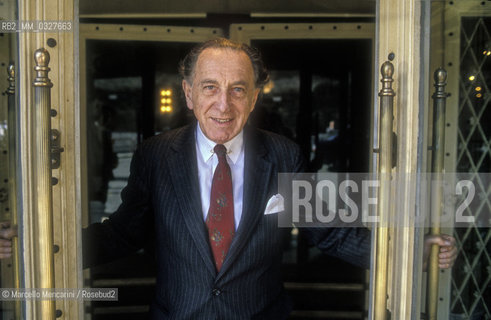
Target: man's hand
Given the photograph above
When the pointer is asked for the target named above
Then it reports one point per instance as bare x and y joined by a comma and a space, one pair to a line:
447, 253
7, 232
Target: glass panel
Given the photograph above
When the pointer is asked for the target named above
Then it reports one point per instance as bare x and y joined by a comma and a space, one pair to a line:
471, 275
311, 99
125, 93
126, 83
327, 99
278, 108
319, 96
112, 140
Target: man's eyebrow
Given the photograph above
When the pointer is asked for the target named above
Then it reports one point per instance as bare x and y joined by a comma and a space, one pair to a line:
208, 81
240, 82
212, 81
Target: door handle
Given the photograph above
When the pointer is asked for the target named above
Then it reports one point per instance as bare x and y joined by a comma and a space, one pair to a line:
437, 166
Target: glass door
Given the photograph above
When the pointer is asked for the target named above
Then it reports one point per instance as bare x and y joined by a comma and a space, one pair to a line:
462, 45
320, 96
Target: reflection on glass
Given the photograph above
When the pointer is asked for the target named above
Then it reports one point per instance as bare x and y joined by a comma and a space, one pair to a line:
327, 100
130, 97
112, 138
172, 112
278, 109
133, 92
310, 99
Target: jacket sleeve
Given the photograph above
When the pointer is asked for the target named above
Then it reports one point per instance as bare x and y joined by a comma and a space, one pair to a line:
352, 244
126, 230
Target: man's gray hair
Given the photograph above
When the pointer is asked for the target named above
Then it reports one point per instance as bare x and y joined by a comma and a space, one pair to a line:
187, 65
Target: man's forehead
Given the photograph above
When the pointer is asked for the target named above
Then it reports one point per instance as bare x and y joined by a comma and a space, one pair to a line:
219, 51
223, 57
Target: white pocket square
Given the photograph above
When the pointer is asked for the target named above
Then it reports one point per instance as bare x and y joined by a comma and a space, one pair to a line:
275, 204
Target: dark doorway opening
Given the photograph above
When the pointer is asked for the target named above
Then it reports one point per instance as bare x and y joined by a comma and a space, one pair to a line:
322, 93
320, 96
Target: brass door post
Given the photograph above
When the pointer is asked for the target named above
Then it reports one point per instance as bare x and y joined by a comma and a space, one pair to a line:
437, 168
383, 205
43, 211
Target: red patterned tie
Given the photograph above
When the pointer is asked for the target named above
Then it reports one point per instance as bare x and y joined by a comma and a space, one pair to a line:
220, 219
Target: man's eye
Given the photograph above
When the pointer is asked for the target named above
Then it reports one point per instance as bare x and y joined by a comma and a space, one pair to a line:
239, 90
209, 87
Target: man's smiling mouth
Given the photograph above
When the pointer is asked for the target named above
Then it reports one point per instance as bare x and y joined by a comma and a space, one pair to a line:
222, 120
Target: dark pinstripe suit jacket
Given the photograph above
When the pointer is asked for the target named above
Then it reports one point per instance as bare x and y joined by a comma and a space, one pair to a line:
163, 194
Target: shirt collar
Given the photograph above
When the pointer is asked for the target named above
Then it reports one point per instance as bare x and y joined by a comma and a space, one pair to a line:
205, 145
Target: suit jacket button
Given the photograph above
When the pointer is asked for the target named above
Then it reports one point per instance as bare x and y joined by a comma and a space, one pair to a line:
216, 292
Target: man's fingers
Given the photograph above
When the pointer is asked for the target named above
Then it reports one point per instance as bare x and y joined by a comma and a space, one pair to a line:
445, 260
5, 243
447, 252
449, 239
445, 249
5, 249
447, 255
8, 233
443, 240
4, 224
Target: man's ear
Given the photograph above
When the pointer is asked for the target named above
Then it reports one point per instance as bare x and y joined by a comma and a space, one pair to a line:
188, 92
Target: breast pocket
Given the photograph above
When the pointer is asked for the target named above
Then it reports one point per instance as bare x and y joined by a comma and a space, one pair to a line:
269, 229
271, 219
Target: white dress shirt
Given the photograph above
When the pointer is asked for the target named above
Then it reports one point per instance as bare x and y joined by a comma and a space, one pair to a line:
208, 161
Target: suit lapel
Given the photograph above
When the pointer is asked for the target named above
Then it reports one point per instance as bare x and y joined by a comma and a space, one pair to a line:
257, 175
184, 175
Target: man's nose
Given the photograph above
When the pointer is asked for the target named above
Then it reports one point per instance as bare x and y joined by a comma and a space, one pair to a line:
223, 103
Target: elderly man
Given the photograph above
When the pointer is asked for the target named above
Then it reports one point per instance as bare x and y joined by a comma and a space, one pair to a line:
203, 190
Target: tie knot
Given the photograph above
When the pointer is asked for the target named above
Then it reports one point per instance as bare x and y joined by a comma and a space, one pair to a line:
220, 150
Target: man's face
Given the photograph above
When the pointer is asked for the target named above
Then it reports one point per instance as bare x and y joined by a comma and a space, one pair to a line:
222, 93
